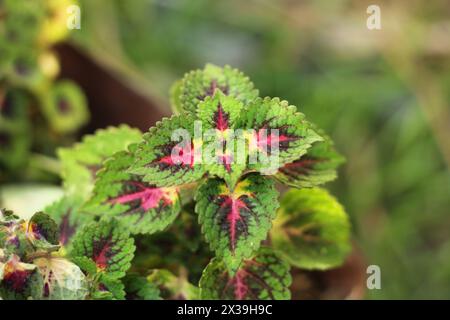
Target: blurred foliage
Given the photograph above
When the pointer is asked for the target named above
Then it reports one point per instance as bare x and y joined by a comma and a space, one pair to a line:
38, 112
382, 95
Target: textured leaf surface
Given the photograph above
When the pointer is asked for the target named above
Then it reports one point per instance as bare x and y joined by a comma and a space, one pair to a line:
81, 162
107, 244
109, 288
199, 84
234, 222
314, 168
265, 277
312, 230
219, 115
277, 125
141, 207
139, 288
62, 279
163, 161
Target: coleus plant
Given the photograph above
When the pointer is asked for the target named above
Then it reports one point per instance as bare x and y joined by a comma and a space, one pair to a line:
221, 160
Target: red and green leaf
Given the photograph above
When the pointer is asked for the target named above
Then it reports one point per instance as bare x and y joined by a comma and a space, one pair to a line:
69, 217
165, 162
264, 277
199, 84
219, 115
108, 244
138, 205
43, 227
280, 134
18, 280
314, 168
235, 222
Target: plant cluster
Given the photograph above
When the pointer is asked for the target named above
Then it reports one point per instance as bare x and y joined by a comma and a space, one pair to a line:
123, 188
37, 110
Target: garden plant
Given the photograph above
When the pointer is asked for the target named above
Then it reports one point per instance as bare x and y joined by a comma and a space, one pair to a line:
219, 201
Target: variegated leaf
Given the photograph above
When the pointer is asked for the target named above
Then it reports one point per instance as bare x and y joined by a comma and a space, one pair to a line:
264, 277
108, 244
138, 205
199, 84
235, 221
166, 157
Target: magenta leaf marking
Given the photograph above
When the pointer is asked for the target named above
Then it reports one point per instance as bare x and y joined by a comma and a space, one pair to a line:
234, 216
221, 119
264, 139
183, 156
149, 197
102, 258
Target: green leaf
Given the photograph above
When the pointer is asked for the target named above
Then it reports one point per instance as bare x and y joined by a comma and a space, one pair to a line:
108, 244
312, 230
314, 168
199, 84
154, 160
264, 277
65, 107
175, 92
234, 222
86, 264
18, 280
139, 288
68, 215
62, 279
139, 206
280, 134
112, 288
219, 115
81, 162
44, 227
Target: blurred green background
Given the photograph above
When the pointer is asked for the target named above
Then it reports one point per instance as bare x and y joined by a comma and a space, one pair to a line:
383, 95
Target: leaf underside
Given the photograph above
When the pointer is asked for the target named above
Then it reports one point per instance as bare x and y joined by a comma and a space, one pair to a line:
312, 230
